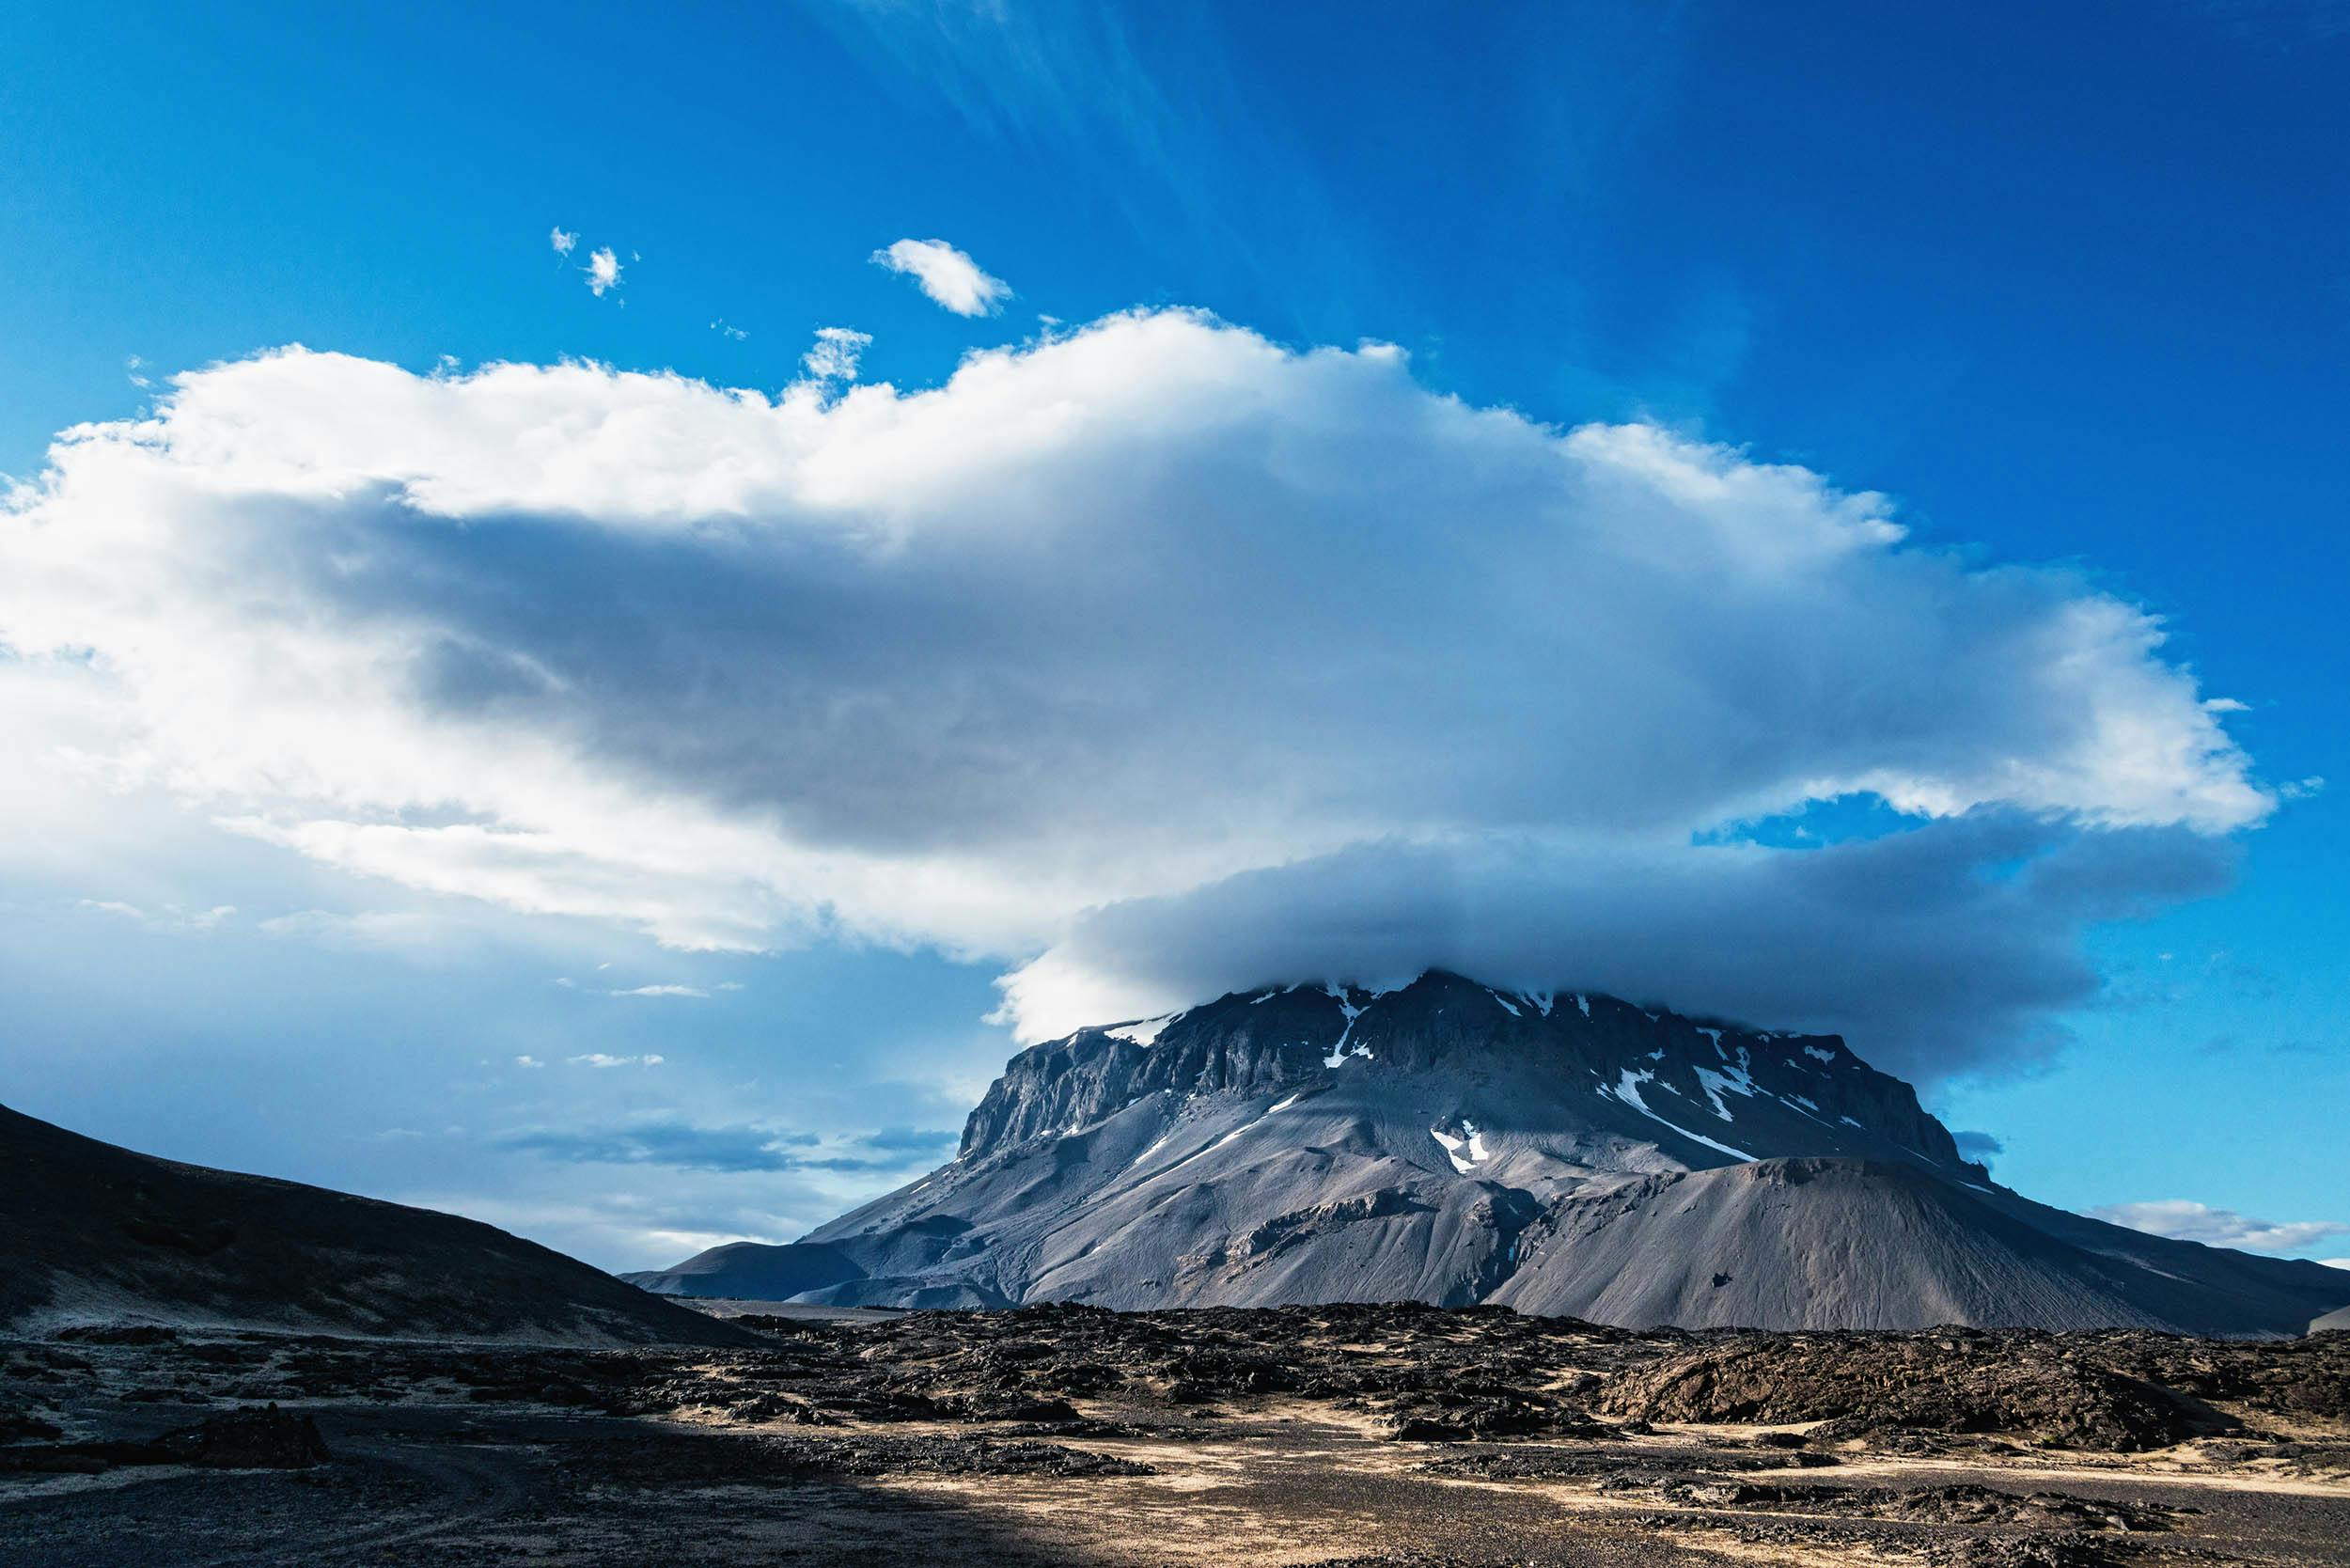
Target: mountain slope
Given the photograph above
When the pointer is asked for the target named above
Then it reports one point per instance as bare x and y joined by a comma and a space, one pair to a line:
98, 1234
750, 1272
1452, 1143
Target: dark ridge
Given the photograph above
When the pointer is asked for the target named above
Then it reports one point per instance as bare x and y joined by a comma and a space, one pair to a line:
97, 1233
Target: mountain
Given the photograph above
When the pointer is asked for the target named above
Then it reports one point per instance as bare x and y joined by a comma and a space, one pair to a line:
1450, 1142
753, 1272
100, 1235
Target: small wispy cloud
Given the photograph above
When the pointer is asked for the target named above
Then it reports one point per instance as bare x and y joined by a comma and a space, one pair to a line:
948, 275
836, 354
724, 328
685, 1146
2182, 1219
169, 917
562, 240
661, 991
597, 1059
603, 271
529, 1061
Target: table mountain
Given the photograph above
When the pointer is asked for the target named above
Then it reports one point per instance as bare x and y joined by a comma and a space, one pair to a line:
1453, 1143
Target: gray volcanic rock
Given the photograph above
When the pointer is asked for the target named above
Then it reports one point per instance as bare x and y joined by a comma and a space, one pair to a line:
1452, 1143
96, 1233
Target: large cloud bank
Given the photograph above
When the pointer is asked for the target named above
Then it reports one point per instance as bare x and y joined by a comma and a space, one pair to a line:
1148, 660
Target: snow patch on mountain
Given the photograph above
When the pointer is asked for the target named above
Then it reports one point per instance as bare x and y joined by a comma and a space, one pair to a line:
1627, 1088
1144, 1031
1467, 1150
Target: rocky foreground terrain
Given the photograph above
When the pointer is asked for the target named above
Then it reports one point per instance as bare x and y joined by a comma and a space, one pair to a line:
1365, 1435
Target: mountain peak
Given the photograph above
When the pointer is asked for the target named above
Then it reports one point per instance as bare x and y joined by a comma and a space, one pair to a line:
1450, 1141
1641, 1074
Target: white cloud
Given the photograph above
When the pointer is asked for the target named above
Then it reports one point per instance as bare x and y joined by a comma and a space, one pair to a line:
529, 1061
2184, 1220
2335, 1262
727, 329
597, 1059
1106, 643
1936, 948
603, 271
836, 354
562, 240
661, 991
948, 276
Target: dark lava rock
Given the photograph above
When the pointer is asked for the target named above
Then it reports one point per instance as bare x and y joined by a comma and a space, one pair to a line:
119, 1334
1963, 1503
785, 1458
779, 1407
1817, 1537
2035, 1386
1616, 1469
1006, 1407
160, 1394
2289, 1377
20, 1426
947, 1456
263, 1439
1456, 1418
2025, 1551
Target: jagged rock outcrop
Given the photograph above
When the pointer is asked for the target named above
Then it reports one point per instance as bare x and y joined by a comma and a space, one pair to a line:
1450, 1142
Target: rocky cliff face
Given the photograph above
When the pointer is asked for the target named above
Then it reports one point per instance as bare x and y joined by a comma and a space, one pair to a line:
1644, 1072
1445, 1141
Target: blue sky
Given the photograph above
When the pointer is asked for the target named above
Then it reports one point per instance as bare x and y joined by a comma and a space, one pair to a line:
2069, 291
